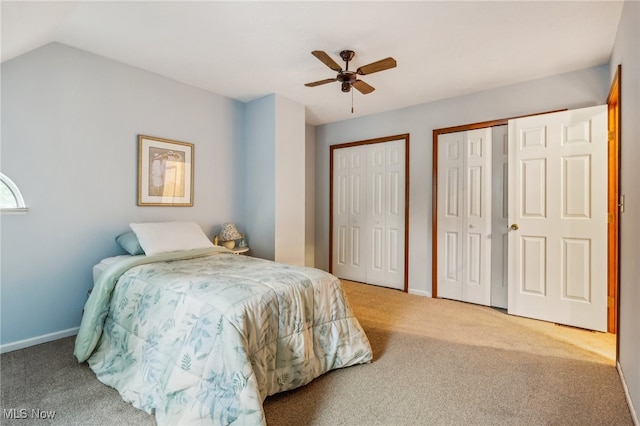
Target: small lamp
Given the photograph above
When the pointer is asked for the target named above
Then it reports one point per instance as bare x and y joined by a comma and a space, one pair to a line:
229, 235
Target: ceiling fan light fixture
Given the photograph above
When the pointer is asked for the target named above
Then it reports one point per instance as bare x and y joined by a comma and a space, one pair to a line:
346, 86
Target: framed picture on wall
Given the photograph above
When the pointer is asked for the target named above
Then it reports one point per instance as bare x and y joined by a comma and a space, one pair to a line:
165, 172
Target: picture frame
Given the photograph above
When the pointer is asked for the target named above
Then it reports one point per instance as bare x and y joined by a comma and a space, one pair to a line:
165, 172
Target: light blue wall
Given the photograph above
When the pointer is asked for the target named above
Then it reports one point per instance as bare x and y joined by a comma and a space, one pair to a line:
627, 53
259, 185
70, 121
573, 90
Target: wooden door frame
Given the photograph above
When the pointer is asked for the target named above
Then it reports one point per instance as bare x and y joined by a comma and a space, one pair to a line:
405, 137
613, 260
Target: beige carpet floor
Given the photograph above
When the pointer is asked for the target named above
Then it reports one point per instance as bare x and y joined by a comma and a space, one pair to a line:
456, 321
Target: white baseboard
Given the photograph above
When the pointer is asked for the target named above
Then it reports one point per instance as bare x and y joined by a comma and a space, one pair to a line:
420, 293
634, 414
10, 347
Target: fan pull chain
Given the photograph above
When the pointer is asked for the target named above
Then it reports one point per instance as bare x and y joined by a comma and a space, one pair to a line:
352, 101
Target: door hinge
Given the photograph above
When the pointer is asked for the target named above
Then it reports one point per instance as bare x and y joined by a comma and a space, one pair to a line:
621, 204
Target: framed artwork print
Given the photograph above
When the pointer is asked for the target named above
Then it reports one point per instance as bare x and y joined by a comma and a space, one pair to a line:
165, 172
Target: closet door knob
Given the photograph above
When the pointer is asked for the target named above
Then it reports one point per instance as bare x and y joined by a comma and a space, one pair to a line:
514, 227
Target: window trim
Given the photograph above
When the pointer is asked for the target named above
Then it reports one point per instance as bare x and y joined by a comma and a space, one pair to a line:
22, 208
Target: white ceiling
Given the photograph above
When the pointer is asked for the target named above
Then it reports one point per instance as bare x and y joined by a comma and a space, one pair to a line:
245, 50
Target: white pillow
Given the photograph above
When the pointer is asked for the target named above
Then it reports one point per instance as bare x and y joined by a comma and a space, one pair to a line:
170, 236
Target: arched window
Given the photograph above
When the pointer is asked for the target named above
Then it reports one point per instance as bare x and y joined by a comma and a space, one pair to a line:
11, 200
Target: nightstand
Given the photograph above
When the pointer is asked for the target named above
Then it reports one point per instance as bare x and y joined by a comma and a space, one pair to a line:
240, 250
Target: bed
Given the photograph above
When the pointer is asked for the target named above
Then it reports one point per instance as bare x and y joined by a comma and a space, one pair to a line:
203, 336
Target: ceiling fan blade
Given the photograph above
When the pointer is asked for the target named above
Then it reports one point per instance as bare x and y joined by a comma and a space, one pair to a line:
326, 59
362, 87
381, 65
318, 83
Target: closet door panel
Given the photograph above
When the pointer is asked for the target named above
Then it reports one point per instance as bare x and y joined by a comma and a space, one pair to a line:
349, 215
499, 214
477, 220
394, 212
341, 230
450, 218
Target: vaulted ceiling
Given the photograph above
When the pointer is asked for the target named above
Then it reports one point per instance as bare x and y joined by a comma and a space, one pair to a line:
245, 50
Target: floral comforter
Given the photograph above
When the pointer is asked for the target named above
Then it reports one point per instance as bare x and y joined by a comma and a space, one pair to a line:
206, 338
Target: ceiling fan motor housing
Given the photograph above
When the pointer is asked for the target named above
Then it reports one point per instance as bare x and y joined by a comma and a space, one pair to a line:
347, 78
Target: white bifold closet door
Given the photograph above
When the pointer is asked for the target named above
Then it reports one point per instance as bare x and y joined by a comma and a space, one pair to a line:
464, 216
369, 213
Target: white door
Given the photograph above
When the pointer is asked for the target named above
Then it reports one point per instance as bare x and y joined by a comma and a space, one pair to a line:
349, 214
464, 216
558, 203
499, 215
369, 213
386, 213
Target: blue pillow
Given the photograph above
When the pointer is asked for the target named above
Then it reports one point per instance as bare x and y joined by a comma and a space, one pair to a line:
129, 242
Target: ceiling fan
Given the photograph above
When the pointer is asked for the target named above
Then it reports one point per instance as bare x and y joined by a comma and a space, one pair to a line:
350, 78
